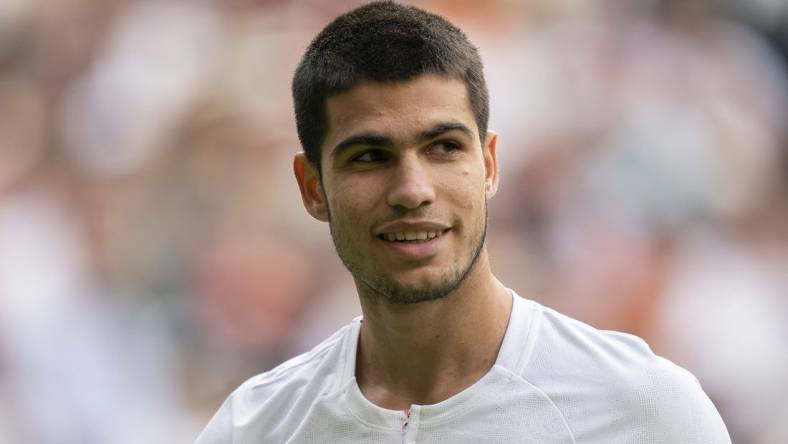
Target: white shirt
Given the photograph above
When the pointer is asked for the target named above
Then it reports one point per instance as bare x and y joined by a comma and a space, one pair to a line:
555, 380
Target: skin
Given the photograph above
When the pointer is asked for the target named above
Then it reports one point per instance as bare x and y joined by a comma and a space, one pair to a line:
406, 157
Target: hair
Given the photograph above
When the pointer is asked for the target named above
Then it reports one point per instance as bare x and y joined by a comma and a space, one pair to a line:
381, 42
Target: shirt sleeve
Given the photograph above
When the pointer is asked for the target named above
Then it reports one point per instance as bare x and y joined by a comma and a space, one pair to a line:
672, 407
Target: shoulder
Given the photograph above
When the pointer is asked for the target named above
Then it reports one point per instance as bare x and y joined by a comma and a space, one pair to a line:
601, 349
288, 379
598, 377
667, 404
286, 389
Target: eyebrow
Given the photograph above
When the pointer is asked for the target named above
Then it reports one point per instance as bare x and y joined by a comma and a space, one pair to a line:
444, 127
377, 139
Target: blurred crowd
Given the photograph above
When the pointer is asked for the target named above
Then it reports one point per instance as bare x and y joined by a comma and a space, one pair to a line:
154, 252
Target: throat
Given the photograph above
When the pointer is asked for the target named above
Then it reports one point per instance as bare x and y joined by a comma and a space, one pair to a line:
427, 366
420, 385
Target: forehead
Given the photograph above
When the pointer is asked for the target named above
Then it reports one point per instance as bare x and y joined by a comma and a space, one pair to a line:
399, 110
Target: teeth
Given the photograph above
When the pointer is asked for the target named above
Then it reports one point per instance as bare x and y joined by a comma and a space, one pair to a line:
411, 235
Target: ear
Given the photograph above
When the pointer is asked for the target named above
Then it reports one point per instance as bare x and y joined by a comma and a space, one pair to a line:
311, 189
490, 165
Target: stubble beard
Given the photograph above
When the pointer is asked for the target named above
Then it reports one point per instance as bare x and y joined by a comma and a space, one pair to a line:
379, 282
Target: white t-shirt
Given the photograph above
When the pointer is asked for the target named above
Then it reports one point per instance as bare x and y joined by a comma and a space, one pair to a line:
555, 380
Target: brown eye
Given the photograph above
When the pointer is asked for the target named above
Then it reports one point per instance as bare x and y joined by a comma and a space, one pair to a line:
370, 156
445, 147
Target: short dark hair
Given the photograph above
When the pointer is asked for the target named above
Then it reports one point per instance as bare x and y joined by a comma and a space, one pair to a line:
383, 42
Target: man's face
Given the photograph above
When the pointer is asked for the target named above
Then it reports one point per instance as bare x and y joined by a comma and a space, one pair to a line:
404, 185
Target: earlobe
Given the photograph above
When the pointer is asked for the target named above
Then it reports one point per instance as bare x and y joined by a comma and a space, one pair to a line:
311, 189
490, 165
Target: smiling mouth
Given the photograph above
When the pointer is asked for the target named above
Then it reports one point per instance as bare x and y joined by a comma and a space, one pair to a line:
412, 236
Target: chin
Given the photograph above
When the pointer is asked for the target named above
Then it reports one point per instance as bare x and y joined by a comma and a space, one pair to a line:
419, 289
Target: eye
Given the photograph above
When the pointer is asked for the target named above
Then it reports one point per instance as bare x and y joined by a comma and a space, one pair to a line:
445, 147
370, 156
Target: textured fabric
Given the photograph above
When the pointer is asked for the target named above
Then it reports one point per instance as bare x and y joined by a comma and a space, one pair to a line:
556, 380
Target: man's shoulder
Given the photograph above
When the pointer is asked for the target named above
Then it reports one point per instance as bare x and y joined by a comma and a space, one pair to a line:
565, 338
323, 363
288, 389
567, 349
598, 376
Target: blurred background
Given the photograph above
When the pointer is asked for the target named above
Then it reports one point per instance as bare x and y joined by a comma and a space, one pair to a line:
154, 252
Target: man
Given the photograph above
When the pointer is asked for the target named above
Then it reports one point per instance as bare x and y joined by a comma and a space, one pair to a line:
391, 108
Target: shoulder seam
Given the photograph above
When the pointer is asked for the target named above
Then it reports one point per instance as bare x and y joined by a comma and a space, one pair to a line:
550, 400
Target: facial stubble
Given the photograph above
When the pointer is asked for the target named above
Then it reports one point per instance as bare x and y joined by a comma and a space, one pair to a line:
381, 284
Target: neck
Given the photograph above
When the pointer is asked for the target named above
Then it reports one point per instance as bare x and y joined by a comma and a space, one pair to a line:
426, 352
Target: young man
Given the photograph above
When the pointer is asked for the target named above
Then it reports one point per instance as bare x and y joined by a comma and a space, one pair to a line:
391, 107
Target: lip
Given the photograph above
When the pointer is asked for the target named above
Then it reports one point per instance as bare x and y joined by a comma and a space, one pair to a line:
418, 250
405, 225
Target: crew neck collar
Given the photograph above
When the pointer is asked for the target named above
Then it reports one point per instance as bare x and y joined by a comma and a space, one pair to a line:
512, 356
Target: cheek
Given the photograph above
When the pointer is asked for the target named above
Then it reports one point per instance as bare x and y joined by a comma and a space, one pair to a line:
468, 192
350, 203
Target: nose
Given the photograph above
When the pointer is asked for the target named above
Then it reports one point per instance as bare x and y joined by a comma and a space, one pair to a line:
411, 183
